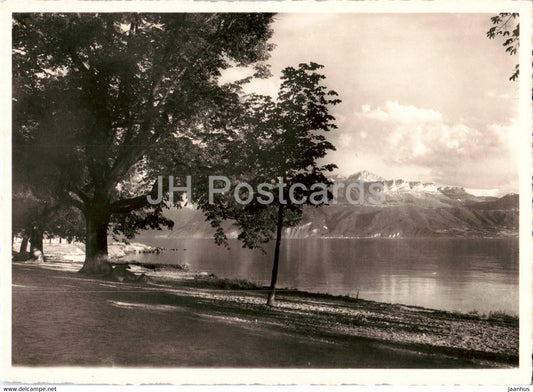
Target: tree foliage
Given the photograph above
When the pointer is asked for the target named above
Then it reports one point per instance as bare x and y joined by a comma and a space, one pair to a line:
506, 26
113, 100
39, 206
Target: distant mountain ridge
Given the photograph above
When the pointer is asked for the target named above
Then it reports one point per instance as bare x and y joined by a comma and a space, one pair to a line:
410, 209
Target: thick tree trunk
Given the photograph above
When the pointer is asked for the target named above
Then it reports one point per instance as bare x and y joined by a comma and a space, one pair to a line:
24, 245
272, 293
36, 243
96, 223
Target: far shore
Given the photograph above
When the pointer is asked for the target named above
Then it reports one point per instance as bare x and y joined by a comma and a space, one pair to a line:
186, 318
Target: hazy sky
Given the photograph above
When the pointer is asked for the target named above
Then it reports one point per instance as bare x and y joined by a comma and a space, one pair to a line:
425, 96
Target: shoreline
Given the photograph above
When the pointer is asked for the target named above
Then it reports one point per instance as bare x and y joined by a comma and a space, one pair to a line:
169, 272
157, 266
506, 235
438, 336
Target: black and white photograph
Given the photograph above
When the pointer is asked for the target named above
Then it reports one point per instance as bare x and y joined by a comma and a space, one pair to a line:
313, 189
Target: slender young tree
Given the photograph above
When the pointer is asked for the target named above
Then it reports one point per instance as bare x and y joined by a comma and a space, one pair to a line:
110, 93
278, 147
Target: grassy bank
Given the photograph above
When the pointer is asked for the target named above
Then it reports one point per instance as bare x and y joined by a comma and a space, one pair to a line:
188, 319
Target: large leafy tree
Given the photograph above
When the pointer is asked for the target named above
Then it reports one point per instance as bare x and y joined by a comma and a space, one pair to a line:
277, 146
113, 100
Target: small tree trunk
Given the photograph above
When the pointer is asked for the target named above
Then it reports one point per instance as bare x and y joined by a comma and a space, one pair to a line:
59, 239
97, 222
272, 293
24, 245
36, 243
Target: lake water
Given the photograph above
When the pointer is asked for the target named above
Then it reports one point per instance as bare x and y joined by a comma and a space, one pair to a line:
450, 274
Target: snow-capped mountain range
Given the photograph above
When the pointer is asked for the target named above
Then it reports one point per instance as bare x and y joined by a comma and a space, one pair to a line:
409, 209
399, 191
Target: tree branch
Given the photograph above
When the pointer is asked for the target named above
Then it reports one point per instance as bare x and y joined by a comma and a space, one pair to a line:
127, 205
81, 195
128, 156
126, 159
76, 201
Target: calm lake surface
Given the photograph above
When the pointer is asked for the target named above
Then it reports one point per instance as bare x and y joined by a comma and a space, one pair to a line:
450, 274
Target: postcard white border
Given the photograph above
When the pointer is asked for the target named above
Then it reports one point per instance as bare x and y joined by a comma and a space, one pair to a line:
97, 375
